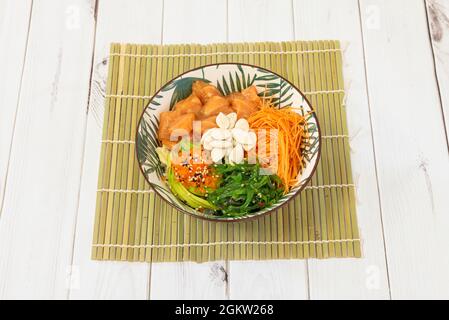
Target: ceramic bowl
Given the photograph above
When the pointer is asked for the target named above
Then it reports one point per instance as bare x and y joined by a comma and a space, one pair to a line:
228, 77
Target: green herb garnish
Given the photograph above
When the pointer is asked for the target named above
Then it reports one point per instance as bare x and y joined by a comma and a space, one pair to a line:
243, 189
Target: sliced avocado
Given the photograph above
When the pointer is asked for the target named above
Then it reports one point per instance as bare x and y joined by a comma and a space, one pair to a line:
184, 194
164, 155
195, 191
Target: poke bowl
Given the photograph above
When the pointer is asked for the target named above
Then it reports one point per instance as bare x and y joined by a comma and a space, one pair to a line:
228, 142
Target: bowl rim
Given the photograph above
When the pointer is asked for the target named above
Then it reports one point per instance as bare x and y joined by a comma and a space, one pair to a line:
243, 218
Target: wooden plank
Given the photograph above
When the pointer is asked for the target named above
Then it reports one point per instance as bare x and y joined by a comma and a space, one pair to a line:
410, 144
41, 197
196, 21
261, 21
268, 280
188, 280
185, 22
111, 280
349, 278
15, 18
438, 20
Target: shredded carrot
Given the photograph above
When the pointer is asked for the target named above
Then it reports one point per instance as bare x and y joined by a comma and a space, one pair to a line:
291, 135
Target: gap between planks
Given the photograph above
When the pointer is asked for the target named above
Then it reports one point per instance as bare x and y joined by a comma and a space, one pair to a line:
2, 196
83, 151
427, 5
362, 36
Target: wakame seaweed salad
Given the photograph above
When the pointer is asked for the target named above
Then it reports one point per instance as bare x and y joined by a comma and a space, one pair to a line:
244, 189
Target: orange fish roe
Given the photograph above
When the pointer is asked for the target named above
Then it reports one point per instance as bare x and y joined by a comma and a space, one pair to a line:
196, 177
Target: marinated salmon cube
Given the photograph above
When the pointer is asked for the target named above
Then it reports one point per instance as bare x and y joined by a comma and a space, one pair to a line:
182, 125
242, 106
214, 106
192, 104
208, 123
165, 120
251, 95
204, 91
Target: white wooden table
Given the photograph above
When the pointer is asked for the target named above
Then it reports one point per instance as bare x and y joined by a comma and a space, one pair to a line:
53, 64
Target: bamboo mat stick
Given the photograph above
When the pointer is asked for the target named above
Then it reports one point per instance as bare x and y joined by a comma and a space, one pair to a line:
351, 191
108, 155
139, 255
123, 164
150, 225
326, 151
323, 193
339, 157
114, 155
317, 180
338, 199
142, 198
163, 231
135, 221
319, 205
345, 174
101, 182
296, 229
119, 157
123, 223
338, 204
313, 248
130, 155
160, 203
329, 193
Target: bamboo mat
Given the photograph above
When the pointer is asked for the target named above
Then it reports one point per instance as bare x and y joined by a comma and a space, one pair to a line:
132, 224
